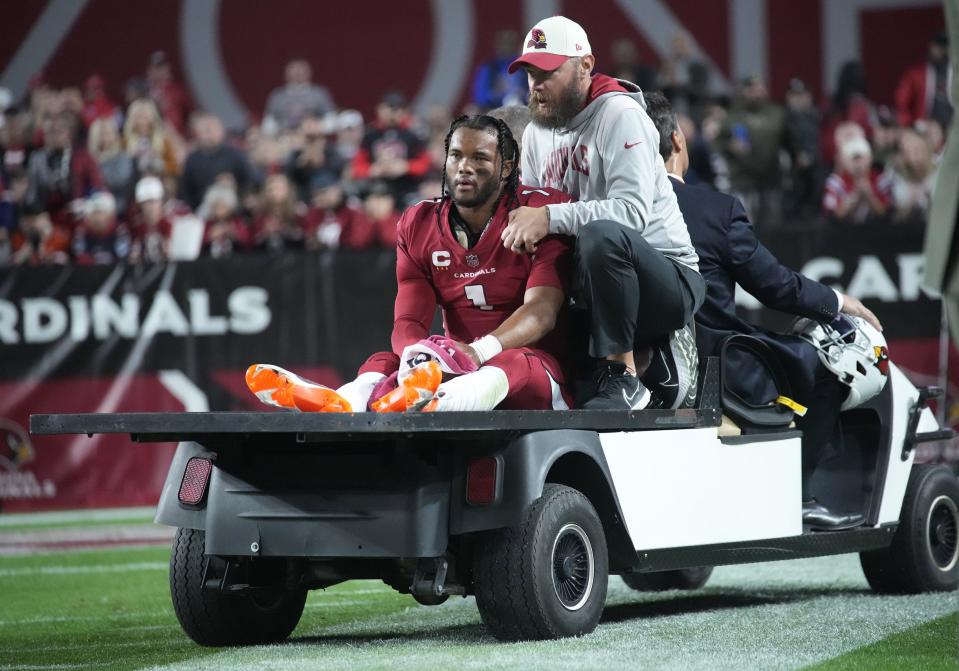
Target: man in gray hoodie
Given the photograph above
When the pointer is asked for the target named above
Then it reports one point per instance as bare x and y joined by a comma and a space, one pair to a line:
591, 137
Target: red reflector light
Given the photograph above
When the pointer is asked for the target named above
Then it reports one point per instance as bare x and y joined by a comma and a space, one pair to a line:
195, 477
481, 481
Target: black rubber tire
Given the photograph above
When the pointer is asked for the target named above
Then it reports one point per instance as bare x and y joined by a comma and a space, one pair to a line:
924, 556
513, 572
213, 618
689, 578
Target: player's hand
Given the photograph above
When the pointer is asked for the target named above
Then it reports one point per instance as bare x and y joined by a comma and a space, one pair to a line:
469, 351
526, 227
853, 306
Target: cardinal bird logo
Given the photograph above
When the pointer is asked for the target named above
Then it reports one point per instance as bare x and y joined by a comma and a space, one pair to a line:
15, 446
537, 40
882, 359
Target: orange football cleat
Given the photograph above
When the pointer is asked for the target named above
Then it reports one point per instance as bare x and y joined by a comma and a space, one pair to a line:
283, 389
415, 390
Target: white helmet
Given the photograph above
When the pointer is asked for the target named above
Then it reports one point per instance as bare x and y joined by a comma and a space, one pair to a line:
854, 350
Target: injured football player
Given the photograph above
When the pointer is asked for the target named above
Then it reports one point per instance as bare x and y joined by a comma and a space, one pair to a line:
505, 344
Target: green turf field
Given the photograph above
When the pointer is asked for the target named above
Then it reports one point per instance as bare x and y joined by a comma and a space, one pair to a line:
111, 609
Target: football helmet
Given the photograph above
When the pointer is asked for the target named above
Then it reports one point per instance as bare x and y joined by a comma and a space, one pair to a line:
853, 350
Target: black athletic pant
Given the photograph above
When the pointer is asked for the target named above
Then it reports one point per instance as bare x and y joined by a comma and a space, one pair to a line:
635, 295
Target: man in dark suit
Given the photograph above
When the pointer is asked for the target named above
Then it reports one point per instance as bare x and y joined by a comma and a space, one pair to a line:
730, 253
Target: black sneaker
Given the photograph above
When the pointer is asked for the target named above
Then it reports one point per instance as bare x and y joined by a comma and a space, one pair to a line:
615, 389
672, 374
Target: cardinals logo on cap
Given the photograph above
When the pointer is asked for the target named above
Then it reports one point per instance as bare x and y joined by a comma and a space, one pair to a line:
537, 40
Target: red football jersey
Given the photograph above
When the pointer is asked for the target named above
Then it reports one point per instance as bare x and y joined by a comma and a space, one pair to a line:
478, 288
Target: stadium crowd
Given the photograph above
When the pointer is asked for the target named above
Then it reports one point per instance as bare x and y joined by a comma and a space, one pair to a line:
88, 179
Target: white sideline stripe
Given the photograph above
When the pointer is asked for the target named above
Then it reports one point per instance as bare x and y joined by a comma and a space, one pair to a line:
87, 534
62, 516
31, 667
41, 43
449, 65
47, 619
81, 570
657, 23
203, 62
184, 390
748, 38
327, 600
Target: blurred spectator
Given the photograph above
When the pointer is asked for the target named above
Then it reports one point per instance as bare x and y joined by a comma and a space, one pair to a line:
171, 98
626, 64
711, 128
431, 187
226, 232
885, 137
267, 153
848, 103
802, 127
135, 88
349, 133
436, 120
13, 190
211, 158
380, 209
934, 136
391, 151
60, 174
39, 241
6, 246
116, 166
700, 170
516, 117
683, 78
316, 157
42, 104
912, 176
333, 223
153, 149
150, 227
96, 102
71, 100
299, 98
14, 143
100, 238
279, 224
855, 193
752, 136
493, 86
923, 90
846, 131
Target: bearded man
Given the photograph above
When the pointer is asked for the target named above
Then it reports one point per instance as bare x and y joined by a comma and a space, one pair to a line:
590, 136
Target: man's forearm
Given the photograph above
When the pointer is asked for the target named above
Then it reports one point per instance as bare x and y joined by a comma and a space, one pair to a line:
528, 324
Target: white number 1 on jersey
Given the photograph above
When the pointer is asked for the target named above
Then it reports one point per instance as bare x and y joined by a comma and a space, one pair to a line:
476, 295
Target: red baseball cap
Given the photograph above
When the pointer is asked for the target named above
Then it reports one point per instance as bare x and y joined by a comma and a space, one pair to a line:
552, 42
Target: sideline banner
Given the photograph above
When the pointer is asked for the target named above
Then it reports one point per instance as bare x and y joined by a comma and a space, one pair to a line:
165, 338
179, 336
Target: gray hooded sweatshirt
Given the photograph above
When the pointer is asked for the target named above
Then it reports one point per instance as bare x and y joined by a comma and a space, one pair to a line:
608, 159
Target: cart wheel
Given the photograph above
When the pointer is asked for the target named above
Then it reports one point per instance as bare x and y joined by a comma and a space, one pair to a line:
546, 577
689, 578
924, 555
213, 618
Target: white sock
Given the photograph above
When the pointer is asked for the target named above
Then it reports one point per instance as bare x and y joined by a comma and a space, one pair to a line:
358, 392
483, 390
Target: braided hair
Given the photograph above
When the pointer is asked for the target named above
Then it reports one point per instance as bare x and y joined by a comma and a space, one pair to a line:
506, 146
